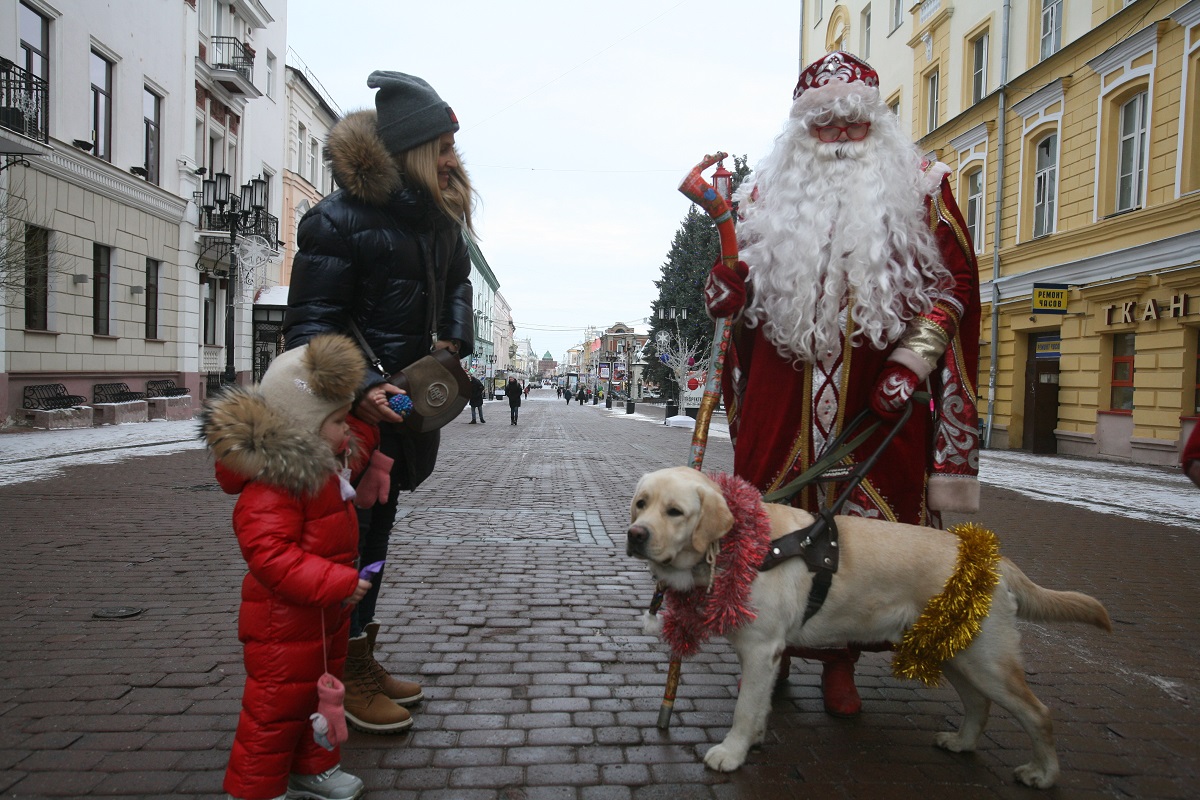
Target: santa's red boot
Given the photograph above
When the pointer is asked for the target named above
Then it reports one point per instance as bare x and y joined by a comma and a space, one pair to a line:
837, 678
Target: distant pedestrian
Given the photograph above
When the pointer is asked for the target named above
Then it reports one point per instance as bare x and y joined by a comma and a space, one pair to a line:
528, 386
1191, 456
477, 399
513, 392
281, 447
581, 395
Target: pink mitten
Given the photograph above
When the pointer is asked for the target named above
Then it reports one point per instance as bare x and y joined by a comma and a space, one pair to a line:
376, 481
329, 723
895, 388
725, 289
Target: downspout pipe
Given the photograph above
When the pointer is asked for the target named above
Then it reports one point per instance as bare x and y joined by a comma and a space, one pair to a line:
1001, 143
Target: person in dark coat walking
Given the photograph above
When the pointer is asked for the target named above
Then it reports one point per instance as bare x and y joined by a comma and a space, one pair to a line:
513, 392
384, 259
477, 399
581, 395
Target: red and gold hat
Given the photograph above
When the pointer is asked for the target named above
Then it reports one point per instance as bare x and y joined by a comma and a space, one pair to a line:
836, 66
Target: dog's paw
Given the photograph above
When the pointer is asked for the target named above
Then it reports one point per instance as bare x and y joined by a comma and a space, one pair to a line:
651, 624
1035, 776
952, 742
723, 758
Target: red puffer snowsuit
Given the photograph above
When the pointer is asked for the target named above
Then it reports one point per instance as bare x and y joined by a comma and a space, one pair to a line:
300, 540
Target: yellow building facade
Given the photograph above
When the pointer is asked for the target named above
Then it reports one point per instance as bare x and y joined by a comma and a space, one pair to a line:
1071, 130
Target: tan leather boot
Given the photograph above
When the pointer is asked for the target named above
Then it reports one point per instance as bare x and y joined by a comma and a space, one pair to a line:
368, 709
402, 693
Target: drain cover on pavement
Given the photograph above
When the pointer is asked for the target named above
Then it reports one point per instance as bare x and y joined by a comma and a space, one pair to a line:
117, 613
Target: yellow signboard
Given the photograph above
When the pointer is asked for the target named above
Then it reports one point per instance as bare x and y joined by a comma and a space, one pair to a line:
1050, 298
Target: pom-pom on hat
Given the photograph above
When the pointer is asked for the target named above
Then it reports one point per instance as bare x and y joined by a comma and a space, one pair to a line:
409, 112
307, 384
831, 78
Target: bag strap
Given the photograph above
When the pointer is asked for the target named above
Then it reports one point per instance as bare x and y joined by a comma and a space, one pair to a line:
374, 359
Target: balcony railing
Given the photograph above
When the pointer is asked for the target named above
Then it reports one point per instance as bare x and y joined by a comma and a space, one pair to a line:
226, 52
24, 102
252, 222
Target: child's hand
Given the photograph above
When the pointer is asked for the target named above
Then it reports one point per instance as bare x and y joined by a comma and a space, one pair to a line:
359, 593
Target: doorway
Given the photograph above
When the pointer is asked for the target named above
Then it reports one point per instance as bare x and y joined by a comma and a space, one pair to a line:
1041, 394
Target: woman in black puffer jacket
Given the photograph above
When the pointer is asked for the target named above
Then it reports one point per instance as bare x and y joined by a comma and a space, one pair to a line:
387, 253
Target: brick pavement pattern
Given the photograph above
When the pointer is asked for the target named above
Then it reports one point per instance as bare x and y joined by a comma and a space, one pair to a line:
511, 599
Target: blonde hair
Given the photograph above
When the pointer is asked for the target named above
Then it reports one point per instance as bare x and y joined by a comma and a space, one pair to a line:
419, 167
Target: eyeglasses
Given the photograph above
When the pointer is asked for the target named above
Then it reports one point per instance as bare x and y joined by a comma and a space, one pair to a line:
855, 131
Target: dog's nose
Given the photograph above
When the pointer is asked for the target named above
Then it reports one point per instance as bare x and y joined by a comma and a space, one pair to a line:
636, 537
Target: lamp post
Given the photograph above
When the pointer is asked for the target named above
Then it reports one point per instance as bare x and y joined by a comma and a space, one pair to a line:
244, 209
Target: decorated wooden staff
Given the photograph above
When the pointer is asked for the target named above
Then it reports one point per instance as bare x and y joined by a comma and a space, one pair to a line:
700, 192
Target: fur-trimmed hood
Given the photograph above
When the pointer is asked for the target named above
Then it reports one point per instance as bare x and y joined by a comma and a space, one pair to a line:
360, 160
253, 442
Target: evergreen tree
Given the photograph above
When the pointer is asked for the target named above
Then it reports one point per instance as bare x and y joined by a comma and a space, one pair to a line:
696, 247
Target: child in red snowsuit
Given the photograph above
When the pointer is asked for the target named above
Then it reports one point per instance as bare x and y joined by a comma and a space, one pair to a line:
282, 447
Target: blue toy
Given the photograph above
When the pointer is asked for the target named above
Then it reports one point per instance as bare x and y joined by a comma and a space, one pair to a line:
400, 404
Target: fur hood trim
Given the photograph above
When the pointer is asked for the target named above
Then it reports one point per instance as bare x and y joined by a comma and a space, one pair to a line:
360, 160
254, 442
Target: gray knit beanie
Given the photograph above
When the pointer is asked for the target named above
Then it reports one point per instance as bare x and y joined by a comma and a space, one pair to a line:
409, 111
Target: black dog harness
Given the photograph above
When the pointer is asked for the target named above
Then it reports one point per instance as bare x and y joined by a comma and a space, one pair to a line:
818, 546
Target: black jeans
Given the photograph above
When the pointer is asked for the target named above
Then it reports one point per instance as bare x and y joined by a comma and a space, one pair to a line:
374, 532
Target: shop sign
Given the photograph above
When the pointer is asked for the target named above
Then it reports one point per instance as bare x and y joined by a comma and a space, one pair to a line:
1047, 347
693, 388
1050, 298
1133, 311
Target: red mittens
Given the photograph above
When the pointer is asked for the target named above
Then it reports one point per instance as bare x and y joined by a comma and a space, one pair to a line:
376, 481
895, 388
725, 289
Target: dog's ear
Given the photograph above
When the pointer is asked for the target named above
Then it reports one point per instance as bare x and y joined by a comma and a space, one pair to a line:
715, 519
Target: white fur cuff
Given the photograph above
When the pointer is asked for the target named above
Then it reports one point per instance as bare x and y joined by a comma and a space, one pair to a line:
954, 493
651, 624
909, 358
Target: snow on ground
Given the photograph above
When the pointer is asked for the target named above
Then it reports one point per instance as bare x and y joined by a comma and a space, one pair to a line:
1158, 494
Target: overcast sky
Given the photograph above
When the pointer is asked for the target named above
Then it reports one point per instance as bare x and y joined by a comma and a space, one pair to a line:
579, 120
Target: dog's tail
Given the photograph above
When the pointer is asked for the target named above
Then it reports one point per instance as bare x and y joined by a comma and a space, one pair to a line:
1038, 604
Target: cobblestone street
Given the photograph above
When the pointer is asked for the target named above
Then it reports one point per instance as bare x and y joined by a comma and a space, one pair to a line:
510, 598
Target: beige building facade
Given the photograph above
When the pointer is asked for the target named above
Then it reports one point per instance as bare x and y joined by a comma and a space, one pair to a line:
1070, 127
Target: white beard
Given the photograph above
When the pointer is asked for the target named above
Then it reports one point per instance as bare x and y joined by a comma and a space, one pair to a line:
837, 225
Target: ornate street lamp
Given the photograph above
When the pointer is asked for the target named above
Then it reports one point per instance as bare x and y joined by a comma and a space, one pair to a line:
244, 210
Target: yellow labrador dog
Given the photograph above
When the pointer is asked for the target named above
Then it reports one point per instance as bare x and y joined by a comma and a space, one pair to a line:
888, 572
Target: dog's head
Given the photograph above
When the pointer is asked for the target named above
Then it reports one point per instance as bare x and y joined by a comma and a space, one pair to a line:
675, 515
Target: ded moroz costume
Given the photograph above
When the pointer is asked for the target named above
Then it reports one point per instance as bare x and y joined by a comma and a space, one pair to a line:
862, 289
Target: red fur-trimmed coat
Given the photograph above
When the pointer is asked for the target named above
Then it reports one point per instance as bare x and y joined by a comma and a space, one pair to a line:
933, 463
300, 541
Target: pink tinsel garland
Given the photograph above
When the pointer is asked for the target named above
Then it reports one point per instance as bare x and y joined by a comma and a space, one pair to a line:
691, 618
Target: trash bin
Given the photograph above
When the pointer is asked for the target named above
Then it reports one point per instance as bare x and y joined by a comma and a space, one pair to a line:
608, 401
628, 406
672, 410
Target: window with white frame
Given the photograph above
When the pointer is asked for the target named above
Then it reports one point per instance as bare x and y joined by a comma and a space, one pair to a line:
931, 101
153, 274
101, 274
101, 71
314, 160
35, 43
272, 65
1131, 153
151, 120
975, 208
301, 147
865, 46
1045, 185
1051, 30
897, 14
979, 64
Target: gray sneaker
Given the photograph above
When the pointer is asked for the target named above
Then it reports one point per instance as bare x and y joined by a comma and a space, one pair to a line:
332, 784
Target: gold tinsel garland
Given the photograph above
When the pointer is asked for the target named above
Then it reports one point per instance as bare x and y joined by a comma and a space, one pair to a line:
952, 619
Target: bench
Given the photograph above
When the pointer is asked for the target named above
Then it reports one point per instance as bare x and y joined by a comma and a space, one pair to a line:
168, 401
49, 406
50, 397
165, 388
115, 404
115, 393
